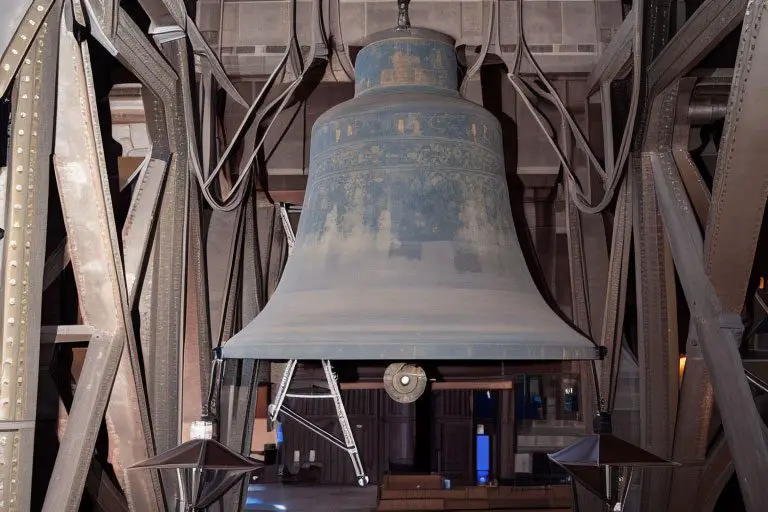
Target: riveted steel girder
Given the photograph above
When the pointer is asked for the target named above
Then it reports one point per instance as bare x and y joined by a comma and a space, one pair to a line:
733, 225
17, 33
708, 25
96, 259
23, 256
616, 56
657, 318
718, 330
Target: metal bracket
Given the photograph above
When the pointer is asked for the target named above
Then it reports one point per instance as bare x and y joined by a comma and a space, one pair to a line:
348, 444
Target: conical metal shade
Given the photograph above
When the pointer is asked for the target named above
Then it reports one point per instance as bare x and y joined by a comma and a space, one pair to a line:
602, 448
406, 248
219, 468
200, 454
606, 450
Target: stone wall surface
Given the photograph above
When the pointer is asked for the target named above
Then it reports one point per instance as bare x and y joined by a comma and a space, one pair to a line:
566, 36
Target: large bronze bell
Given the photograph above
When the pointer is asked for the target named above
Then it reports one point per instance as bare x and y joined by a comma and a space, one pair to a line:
406, 248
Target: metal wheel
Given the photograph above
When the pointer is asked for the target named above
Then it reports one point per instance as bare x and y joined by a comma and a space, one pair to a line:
363, 481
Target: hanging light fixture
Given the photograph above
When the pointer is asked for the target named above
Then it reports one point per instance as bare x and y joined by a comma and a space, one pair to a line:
596, 459
205, 470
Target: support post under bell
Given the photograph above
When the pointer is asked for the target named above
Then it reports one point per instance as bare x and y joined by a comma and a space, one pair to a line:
348, 443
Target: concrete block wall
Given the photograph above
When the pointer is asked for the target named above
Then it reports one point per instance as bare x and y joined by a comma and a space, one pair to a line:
565, 35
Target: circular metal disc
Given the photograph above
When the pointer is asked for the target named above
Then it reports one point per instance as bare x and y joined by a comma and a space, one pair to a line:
408, 389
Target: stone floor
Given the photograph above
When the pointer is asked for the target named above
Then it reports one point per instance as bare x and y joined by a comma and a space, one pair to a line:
316, 498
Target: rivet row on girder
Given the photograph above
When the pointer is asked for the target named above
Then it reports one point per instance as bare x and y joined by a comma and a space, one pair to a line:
19, 44
15, 298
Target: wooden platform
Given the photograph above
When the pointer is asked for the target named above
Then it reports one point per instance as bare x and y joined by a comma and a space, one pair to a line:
426, 492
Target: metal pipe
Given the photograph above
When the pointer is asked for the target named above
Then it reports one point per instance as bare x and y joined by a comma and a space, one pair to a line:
182, 490
757, 382
221, 27
707, 109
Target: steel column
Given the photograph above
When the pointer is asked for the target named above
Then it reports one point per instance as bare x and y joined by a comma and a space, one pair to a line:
657, 318
689, 172
734, 223
708, 25
23, 257
616, 56
80, 172
656, 311
28, 16
719, 331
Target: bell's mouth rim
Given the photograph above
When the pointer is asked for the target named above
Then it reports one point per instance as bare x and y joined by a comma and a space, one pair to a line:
408, 33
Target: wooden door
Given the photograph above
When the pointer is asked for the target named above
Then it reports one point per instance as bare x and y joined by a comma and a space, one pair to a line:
452, 435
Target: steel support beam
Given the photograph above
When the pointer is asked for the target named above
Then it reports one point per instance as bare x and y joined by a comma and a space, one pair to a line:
241, 430
616, 56
239, 304
286, 188
732, 228
654, 278
66, 333
140, 222
696, 398
106, 13
96, 260
155, 256
697, 189
589, 262
14, 15
719, 332
708, 25
740, 185
20, 27
718, 469
31, 141
164, 13
167, 314
143, 59
197, 341
657, 333
580, 310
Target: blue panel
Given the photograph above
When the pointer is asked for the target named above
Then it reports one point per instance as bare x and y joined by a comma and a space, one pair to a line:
483, 458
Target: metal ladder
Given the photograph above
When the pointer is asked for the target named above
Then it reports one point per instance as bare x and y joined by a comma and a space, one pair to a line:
348, 444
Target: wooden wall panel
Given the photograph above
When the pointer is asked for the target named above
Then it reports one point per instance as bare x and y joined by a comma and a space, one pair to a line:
364, 413
506, 437
452, 444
